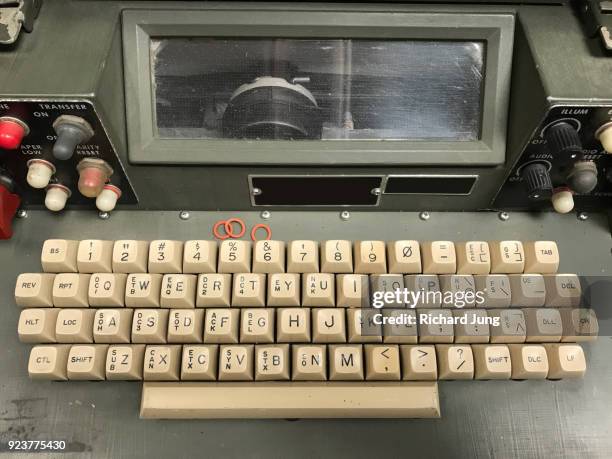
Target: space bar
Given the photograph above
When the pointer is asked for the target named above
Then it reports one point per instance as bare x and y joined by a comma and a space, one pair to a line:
191, 400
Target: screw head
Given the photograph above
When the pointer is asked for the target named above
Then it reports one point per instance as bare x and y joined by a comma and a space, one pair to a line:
376, 191
103, 215
265, 214
582, 216
184, 215
22, 213
256, 191
345, 215
504, 216
424, 216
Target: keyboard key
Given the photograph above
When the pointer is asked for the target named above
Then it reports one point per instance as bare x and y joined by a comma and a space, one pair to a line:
563, 290
74, 326
283, 289
439, 257
511, 328
112, 325
59, 256
507, 257
362, 327
34, 290
458, 290
130, 256
495, 290
352, 290
337, 257
70, 290
200, 362
529, 361
565, 361
543, 325
257, 326
303, 257
199, 257
106, 289
426, 288
384, 289
178, 291
37, 325
293, 325
404, 326
149, 326
249, 290
309, 363
221, 325
269, 257
435, 326
125, 362
404, 257
213, 290
541, 257
473, 257
185, 325
162, 363
528, 290
419, 363
370, 257
471, 326
95, 256
318, 289
455, 361
236, 362
165, 256
579, 325
235, 257
345, 362
382, 362
48, 362
272, 362
143, 290
87, 362
492, 361
328, 325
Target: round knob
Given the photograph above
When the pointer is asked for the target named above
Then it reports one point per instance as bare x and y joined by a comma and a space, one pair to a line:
604, 135
107, 199
562, 200
71, 131
12, 132
39, 173
537, 180
56, 197
93, 175
583, 177
563, 139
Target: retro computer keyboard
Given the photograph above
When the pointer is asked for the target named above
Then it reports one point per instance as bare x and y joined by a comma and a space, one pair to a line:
296, 329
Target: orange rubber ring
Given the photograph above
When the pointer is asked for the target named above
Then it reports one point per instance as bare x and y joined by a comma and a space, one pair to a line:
216, 230
229, 228
266, 228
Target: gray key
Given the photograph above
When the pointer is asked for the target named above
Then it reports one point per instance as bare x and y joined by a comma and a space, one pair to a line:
528, 290
427, 286
459, 287
543, 325
384, 283
579, 324
431, 330
475, 329
400, 332
511, 328
495, 290
562, 290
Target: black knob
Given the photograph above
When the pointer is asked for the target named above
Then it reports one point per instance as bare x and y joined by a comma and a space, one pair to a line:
537, 180
71, 131
563, 139
582, 178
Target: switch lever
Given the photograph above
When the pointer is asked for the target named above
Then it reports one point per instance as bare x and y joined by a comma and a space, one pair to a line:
71, 131
9, 203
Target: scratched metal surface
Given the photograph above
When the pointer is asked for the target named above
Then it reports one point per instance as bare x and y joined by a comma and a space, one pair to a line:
479, 419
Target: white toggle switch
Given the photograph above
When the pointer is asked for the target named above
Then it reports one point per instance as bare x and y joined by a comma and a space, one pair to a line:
39, 173
107, 199
604, 134
562, 200
56, 197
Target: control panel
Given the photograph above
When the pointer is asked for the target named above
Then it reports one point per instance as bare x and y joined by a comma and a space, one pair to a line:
567, 163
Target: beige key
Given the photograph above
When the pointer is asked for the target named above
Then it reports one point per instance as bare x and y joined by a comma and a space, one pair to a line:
425, 289
162, 363
87, 362
200, 257
221, 325
579, 325
543, 325
200, 362
400, 325
328, 325
143, 290
563, 290
473, 257
235, 257
508, 326
309, 362
178, 291
272, 362
249, 290
48, 362
352, 290
34, 290
404, 257
236, 362
125, 362
318, 289
303, 257
528, 290
492, 361
95, 256
419, 363
436, 326
471, 326
165, 256
37, 325
494, 290
185, 325
439, 257
336, 257
529, 361
70, 290
455, 361
507, 257
541, 257
293, 325
362, 325
59, 256
106, 289
257, 326
345, 362
370, 257
565, 361
149, 326
74, 326
213, 290
458, 290
382, 362
269, 257
283, 289
112, 325
130, 256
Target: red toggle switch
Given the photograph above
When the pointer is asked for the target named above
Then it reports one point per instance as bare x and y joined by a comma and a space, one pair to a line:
9, 203
12, 132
